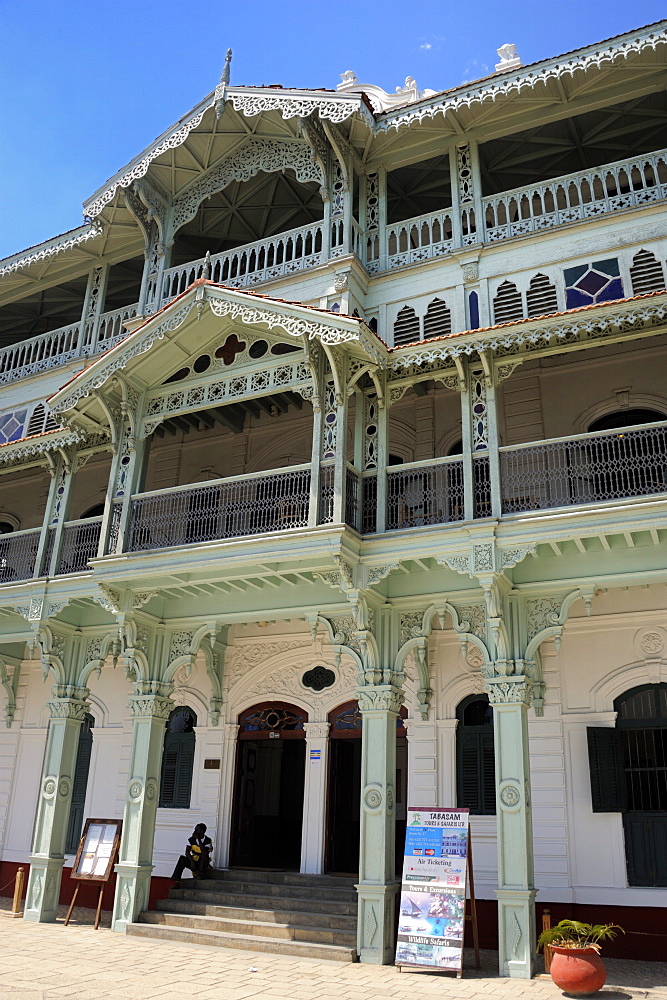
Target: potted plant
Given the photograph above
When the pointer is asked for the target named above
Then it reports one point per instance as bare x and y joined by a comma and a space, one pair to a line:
576, 966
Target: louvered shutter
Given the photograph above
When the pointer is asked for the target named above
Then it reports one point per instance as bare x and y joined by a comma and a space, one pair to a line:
469, 772
169, 772
606, 769
488, 775
186, 763
79, 786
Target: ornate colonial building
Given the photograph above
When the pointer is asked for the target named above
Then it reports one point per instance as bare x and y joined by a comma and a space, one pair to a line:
334, 479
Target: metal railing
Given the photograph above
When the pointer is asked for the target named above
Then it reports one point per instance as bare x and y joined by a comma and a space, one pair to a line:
18, 552
600, 191
326, 507
57, 347
352, 488
420, 494
80, 540
229, 508
285, 253
588, 468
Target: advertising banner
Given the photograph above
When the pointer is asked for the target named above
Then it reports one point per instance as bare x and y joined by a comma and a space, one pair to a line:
433, 890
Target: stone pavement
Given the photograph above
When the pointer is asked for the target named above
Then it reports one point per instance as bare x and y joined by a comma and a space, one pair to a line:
50, 961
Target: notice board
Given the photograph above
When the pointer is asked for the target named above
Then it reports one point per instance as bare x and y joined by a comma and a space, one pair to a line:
433, 889
97, 851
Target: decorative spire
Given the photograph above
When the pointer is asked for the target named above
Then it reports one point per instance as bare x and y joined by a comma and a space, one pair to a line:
227, 67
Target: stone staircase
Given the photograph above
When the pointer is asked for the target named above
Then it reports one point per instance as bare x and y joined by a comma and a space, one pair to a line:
314, 916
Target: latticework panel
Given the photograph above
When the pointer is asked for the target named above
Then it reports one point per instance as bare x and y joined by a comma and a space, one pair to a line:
369, 492
79, 545
352, 499
18, 552
326, 494
431, 494
223, 510
482, 486
592, 469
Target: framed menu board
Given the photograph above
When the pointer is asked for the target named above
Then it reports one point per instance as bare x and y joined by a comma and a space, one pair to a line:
97, 851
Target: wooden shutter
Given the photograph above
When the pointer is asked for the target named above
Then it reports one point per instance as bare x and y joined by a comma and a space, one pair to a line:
488, 775
177, 767
79, 786
469, 796
606, 769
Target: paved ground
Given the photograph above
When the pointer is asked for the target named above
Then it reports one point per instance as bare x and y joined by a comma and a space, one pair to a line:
50, 961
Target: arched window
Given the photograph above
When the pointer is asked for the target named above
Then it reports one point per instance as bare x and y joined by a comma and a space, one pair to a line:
646, 273
97, 510
178, 759
406, 327
475, 763
541, 296
79, 785
628, 769
507, 304
626, 418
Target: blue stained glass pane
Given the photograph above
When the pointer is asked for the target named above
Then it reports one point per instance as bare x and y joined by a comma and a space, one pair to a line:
609, 267
614, 290
574, 298
573, 273
473, 308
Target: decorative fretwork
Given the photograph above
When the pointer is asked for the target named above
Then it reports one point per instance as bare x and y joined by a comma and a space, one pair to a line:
639, 180
587, 469
318, 678
330, 422
352, 487
255, 155
272, 720
370, 431
479, 411
296, 106
54, 247
418, 239
464, 174
369, 504
248, 506
373, 220
264, 260
48, 350
326, 494
429, 494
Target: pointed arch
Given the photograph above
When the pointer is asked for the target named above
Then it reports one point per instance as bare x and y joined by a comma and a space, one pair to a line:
507, 303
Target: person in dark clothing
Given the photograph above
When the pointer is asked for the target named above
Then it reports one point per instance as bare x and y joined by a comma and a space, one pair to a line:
197, 855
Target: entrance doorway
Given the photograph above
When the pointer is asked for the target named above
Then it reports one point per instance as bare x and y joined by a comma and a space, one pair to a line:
344, 790
269, 785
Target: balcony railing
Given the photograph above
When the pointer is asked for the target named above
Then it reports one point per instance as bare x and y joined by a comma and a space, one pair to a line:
18, 552
425, 494
229, 508
603, 190
79, 544
50, 350
264, 260
590, 468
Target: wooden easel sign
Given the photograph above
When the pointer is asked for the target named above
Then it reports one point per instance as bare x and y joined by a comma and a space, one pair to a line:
95, 858
436, 864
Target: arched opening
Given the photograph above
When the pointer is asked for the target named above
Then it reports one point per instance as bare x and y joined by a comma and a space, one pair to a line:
344, 789
475, 763
269, 787
626, 418
245, 212
178, 759
642, 728
80, 785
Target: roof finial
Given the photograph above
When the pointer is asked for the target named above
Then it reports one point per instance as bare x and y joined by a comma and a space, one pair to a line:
227, 67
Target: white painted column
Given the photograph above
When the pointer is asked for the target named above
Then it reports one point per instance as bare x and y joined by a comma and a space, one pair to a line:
313, 830
229, 745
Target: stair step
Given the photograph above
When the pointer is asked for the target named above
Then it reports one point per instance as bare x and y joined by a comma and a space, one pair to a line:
318, 919
254, 901
250, 929
223, 939
283, 878
270, 890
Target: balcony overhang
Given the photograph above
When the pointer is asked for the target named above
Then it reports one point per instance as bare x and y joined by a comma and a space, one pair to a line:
190, 324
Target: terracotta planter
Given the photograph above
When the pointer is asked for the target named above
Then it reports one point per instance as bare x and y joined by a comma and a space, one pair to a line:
577, 971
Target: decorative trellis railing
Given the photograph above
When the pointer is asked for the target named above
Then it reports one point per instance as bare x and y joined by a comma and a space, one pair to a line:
49, 350
79, 544
600, 191
229, 508
264, 260
419, 494
590, 468
18, 552
410, 241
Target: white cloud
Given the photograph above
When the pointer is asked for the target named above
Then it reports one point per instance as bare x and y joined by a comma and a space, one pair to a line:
426, 45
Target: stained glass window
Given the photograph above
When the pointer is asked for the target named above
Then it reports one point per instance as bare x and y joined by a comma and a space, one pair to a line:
11, 426
588, 284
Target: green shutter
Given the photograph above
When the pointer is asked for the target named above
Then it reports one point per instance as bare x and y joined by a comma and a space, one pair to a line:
468, 772
79, 786
177, 767
488, 776
606, 769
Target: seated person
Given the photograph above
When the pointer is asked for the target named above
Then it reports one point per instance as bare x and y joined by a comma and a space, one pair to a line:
197, 855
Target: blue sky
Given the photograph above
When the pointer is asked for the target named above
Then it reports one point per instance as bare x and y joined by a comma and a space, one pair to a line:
87, 85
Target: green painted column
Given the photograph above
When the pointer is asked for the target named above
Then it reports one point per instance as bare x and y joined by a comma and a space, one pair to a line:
379, 705
510, 697
67, 710
150, 707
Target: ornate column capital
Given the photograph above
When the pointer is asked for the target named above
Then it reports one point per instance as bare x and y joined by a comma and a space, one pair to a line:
380, 698
151, 700
316, 730
69, 703
514, 690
